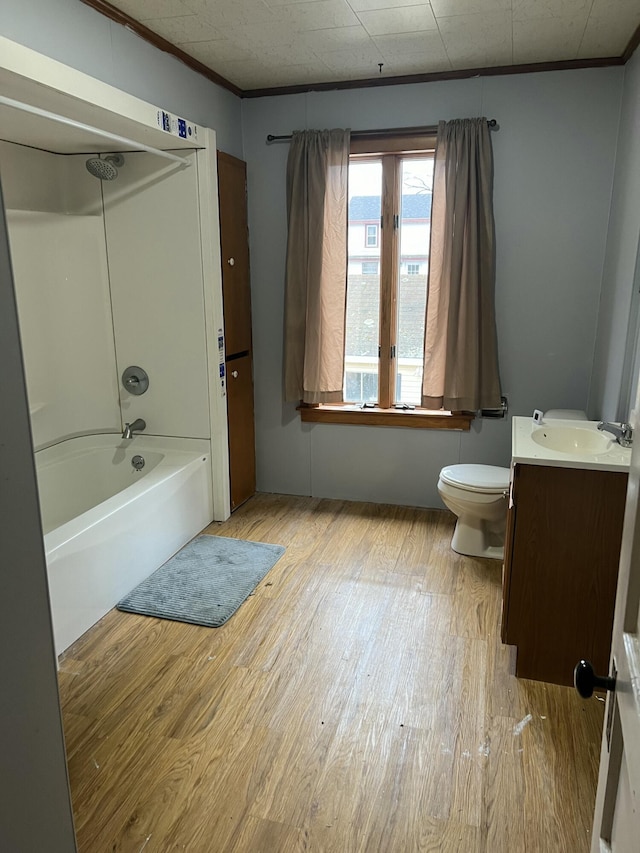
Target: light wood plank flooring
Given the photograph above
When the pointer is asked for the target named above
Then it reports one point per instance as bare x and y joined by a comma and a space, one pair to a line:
360, 700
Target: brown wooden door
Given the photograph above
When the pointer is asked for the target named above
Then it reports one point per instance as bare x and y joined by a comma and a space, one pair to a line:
234, 244
236, 291
242, 441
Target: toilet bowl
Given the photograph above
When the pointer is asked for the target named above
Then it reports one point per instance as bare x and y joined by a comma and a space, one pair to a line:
477, 494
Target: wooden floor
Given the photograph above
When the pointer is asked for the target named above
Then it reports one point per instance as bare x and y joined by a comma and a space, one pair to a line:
360, 700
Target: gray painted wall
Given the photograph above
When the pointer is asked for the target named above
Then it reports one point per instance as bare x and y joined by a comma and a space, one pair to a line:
35, 805
554, 165
72, 33
621, 252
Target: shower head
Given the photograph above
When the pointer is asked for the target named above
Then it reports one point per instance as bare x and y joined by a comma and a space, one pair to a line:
105, 169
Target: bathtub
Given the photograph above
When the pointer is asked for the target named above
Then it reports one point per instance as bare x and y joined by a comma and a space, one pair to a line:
107, 526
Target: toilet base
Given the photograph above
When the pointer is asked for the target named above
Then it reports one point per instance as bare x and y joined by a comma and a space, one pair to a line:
473, 537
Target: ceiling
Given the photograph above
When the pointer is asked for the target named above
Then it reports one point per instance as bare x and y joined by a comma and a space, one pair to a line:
265, 44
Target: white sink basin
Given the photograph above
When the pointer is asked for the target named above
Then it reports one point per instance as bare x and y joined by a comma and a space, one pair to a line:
572, 439
567, 444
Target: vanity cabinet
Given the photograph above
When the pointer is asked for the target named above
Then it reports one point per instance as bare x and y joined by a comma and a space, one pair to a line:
560, 572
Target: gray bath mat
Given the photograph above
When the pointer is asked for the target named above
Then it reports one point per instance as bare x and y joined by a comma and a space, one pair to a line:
205, 582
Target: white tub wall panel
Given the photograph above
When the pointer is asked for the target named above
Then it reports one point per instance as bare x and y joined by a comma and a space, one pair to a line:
34, 179
155, 267
60, 270
46, 175
67, 339
381, 464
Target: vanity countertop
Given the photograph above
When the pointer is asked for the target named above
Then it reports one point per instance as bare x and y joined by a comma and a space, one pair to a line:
567, 444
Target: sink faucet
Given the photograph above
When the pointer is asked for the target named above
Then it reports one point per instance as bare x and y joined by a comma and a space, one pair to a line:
136, 426
623, 432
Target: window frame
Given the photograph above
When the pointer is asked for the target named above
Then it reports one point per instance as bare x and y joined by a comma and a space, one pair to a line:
392, 149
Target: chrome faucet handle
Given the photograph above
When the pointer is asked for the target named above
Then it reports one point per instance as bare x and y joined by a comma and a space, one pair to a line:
623, 433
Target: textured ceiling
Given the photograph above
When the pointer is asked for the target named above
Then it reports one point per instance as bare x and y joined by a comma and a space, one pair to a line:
258, 44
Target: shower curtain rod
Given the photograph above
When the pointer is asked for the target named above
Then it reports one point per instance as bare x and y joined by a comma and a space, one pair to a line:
390, 131
78, 125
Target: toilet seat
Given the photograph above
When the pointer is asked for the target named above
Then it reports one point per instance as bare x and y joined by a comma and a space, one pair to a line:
489, 479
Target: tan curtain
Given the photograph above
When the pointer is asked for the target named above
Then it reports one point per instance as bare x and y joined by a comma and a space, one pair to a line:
316, 272
461, 354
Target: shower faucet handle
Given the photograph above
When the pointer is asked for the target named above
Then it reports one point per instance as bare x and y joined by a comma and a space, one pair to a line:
135, 380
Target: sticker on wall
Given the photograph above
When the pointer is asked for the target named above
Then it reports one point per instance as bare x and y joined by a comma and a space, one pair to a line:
176, 126
221, 358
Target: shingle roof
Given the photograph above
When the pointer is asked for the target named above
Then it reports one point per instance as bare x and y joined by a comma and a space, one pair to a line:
367, 207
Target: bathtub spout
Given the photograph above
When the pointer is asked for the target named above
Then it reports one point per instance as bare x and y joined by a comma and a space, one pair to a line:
136, 426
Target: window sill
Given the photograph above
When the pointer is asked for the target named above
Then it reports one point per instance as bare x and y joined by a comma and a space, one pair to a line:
415, 418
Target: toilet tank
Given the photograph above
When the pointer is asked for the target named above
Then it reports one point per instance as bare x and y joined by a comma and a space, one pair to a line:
565, 415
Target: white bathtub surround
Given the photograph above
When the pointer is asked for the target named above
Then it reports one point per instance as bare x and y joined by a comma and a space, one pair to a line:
108, 526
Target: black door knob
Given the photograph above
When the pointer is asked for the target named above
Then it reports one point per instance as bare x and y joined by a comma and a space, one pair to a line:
586, 681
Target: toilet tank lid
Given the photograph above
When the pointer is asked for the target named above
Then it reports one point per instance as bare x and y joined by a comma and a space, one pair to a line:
565, 415
485, 478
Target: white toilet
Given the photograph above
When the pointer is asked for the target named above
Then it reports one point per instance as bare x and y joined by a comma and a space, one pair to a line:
477, 494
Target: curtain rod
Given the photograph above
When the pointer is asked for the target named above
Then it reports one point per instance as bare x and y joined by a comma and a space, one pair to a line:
393, 131
78, 125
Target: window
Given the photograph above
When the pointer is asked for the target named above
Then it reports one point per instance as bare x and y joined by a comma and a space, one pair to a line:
385, 313
378, 320
361, 387
371, 236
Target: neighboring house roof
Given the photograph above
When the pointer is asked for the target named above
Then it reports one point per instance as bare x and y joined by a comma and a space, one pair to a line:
367, 207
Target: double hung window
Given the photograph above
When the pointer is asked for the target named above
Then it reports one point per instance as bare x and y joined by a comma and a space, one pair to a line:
386, 294
362, 339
